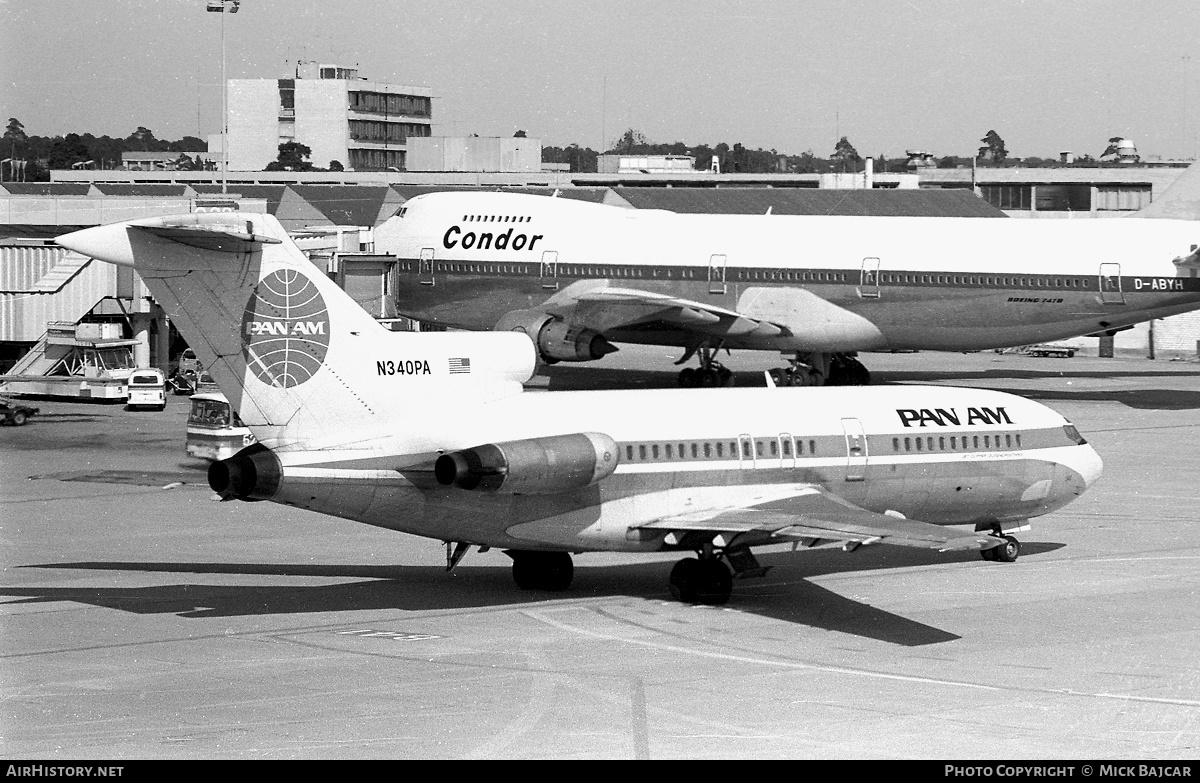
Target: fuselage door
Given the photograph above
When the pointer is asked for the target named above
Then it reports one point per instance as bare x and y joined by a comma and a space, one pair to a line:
1110, 284
425, 267
716, 274
868, 286
746, 454
550, 270
787, 456
856, 449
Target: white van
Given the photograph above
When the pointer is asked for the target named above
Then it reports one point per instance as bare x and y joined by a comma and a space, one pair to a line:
147, 389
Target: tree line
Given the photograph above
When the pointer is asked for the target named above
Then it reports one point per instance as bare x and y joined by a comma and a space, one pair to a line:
37, 155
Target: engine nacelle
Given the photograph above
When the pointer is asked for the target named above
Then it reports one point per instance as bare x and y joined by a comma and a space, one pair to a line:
535, 466
556, 340
253, 473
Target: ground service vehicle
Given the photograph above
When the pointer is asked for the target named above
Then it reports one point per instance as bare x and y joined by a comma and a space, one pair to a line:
16, 413
214, 430
147, 389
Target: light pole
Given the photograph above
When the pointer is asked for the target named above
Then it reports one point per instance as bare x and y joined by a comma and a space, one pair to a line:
219, 6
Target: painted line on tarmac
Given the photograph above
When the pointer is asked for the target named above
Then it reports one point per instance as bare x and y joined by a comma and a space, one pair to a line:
540, 617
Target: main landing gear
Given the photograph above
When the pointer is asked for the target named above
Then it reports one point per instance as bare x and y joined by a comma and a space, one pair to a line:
703, 581
710, 374
707, 580
550, 571
822, 369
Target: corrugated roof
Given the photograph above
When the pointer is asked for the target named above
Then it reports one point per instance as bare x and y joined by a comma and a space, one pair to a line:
153, 191
10, 231
47, 188
345, 205
272, 193
756, 201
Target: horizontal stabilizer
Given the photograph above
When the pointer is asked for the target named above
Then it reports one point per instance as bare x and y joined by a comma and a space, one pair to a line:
223, 240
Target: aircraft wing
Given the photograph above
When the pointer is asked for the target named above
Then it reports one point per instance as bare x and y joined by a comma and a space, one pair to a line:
762, 314
814, 515
614, 308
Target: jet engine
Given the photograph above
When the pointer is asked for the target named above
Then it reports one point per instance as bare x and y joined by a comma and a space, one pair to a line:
251, 474
535, 466
556, 340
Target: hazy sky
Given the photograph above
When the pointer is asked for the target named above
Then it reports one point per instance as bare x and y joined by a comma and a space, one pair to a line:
1047, 75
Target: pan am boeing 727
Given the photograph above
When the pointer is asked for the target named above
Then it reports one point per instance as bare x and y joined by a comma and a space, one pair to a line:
432, 434
577, 277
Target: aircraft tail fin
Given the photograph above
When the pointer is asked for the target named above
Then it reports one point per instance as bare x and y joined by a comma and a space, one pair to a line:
299, 359
1180, 201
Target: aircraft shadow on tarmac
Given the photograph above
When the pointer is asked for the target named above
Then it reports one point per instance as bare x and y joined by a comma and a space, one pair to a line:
792, 599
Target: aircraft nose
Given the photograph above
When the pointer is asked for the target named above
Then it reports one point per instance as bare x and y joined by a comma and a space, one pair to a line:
107, 243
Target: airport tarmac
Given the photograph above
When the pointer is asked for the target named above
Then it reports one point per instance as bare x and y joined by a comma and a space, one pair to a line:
140, 618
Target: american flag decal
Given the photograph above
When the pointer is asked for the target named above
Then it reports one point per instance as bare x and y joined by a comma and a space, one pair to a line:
459, 366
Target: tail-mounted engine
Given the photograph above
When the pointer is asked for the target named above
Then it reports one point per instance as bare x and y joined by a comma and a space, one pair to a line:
536, 466
251, 474
556, 340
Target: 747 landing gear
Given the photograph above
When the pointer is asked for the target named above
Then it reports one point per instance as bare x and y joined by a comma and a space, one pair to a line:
822, 369
710, 373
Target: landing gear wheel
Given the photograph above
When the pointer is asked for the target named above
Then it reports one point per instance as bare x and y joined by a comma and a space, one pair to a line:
18, 418
551, 571
687, 378
684, 579
1009, 551
716, 583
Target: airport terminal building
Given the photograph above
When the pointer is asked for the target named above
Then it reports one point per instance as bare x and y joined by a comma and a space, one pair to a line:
363, 125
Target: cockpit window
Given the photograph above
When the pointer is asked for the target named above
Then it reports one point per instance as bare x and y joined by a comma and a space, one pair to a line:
1074, 435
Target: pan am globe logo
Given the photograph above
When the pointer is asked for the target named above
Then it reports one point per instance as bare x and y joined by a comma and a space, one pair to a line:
285, 331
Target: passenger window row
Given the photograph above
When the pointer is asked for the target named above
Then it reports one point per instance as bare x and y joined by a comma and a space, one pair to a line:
496, 219
956, 443
687, 451
578, 270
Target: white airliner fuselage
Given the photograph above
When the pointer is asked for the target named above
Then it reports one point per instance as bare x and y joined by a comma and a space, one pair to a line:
576, 275
432, 434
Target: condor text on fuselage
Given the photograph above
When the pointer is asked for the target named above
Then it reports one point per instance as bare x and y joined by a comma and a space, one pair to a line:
576, 275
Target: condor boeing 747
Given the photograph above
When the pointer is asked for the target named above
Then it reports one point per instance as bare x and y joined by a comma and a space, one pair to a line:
577, 277
432, 434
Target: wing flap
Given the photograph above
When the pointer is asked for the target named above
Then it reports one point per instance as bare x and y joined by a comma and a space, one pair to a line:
625, 306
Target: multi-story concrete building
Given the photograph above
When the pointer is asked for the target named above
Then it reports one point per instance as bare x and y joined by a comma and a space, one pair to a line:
340, 116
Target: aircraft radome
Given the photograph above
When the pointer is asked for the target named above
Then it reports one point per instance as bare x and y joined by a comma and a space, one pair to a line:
432, 433
577, 277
